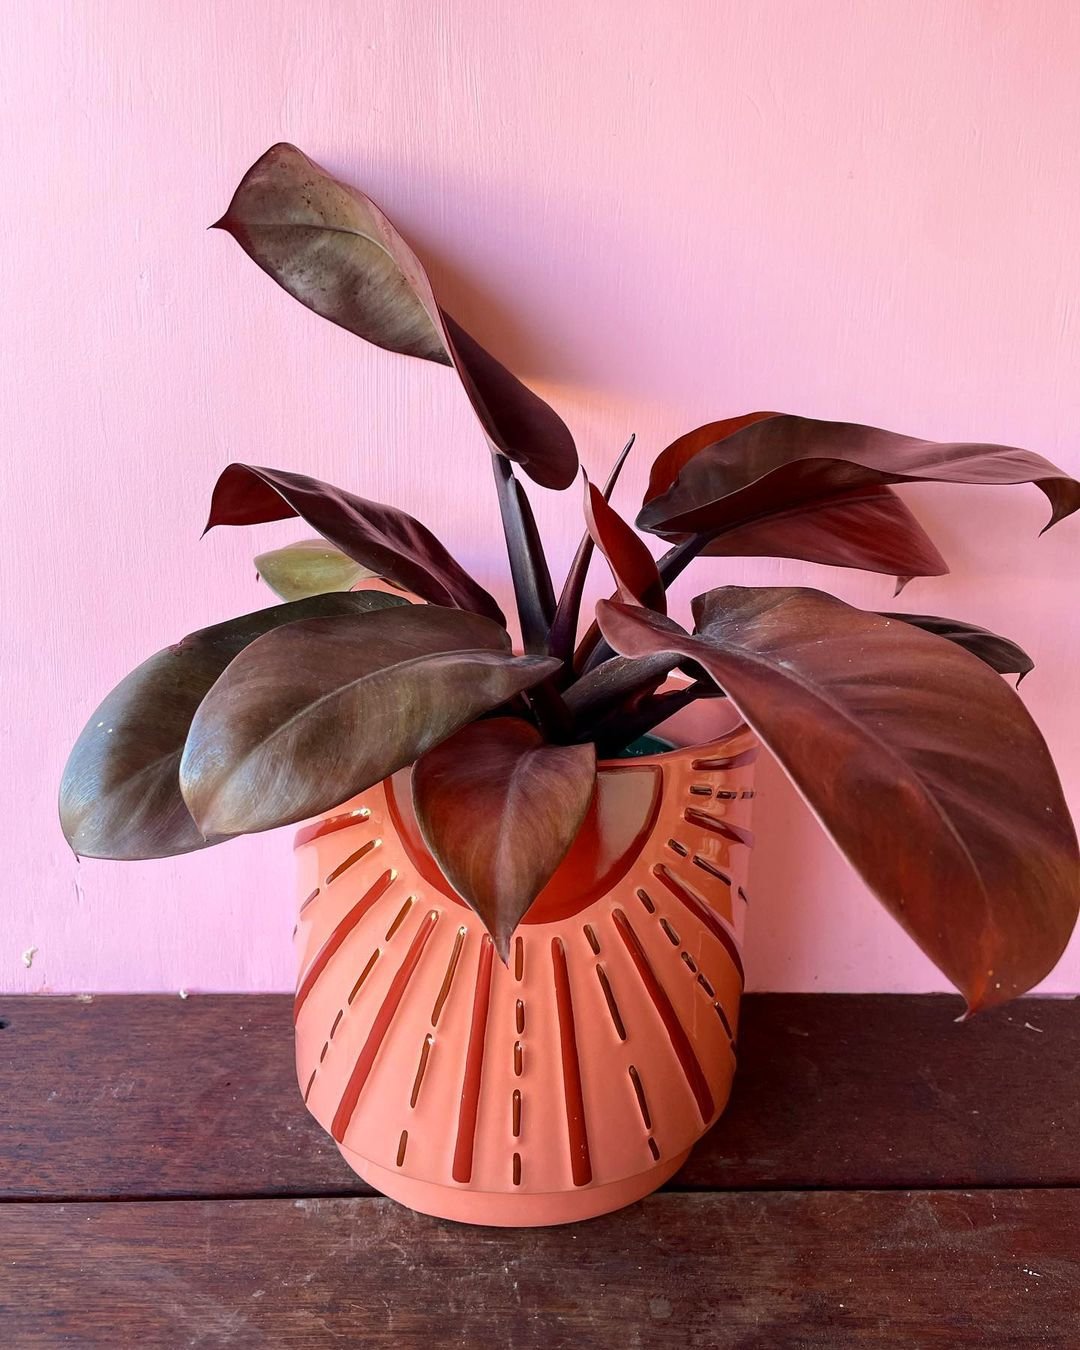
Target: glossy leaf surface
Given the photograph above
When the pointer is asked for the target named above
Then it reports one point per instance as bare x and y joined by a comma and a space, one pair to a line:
331, 248
999, 653
782, 464
383, 539
528, 566
618, 682
869, 528
120, 793
920, 762
631, 563
312, 714
309, 567
669, 463
499, 809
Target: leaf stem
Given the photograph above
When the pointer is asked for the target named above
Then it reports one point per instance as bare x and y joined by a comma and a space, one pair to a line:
533, 591
554, 717
594, 649
565, 624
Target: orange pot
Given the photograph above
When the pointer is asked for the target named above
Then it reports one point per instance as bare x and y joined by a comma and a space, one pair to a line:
574, 1080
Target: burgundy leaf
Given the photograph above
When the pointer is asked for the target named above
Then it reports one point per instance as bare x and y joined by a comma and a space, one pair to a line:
387, 541
120, 794
528, 565
631, 563
669, 463
331, 248
616, 683
498, 809
568, 612
869, 528
779, 464
312, 714
920, 762
999, 653
622, 728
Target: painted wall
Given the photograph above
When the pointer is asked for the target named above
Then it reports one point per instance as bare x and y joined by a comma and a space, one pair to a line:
658, 212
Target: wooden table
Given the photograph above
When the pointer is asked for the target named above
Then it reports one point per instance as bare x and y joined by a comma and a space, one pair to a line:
883, 1177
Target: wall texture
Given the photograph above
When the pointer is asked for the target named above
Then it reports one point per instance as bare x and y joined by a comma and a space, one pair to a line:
658, 212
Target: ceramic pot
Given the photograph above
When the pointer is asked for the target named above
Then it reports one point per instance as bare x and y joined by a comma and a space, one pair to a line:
573, 1080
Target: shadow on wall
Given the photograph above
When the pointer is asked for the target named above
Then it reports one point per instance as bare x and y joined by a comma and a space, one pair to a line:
588, 325
783, 922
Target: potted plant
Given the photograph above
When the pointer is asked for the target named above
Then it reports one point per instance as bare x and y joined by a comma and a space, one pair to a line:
520, 927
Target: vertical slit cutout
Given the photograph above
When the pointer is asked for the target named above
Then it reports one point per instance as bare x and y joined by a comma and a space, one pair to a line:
448, 978
609, 998
421, 1068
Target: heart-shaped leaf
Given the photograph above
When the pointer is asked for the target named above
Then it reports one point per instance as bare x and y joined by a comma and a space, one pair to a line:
312, 714
120, 793
631, 563
921, 763
498, 809
783, 464
309, 567
999, 653
383, 539
331, 248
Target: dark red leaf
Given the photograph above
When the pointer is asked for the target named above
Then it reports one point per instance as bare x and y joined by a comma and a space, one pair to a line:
498, 809
388, 541
331, 248
669, 463
922, 764
631, 563
528, 566
779, 464
999, 653
568, 612
869, 528
312, 714
616, 683
120, 794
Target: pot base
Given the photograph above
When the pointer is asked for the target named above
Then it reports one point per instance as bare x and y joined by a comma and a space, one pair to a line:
499, 1209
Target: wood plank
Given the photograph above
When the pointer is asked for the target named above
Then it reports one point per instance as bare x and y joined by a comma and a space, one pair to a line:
809, 1269
143, 1096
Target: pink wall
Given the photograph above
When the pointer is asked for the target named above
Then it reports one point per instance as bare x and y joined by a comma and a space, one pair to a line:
658, 211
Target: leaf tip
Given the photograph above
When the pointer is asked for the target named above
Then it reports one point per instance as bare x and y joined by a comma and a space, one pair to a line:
501, 938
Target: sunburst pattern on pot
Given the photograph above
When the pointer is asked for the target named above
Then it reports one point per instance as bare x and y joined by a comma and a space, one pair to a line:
577, 1077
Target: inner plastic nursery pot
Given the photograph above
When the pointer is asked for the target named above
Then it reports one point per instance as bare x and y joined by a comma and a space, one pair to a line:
573, 1080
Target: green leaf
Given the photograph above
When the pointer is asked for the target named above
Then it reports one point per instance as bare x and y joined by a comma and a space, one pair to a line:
309, 567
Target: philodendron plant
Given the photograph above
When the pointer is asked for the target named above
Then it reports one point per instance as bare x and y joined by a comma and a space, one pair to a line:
899, 731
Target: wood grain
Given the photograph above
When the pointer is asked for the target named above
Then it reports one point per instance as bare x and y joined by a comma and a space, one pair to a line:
821, 1270
149, 1096
656, 214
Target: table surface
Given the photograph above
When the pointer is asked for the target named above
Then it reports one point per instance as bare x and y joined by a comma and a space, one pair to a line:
884, 1176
